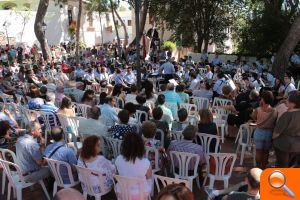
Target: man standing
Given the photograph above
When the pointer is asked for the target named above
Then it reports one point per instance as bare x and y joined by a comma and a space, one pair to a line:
29, 154
168, 70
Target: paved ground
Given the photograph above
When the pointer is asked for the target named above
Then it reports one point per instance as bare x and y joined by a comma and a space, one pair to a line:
35, 193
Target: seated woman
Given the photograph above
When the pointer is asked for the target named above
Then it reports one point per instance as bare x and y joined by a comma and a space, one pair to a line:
90, 158
35, 102
141, 100
182, 123
131, 108
66, 107
120, 130
88, 98
132, 163
4, 134
180, 91
204, 90
206, 125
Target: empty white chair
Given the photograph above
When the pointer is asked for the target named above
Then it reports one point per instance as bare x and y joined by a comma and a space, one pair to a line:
57, 167
88, 188
126, 185
6, 154
164, 181
205, 141
82, 110
201, 103
219, 167
191, 108
113, 145
184, 160
16, 180
220, 123
221, 102
139, 114
149, 152
47, 118
176, 135
245, 143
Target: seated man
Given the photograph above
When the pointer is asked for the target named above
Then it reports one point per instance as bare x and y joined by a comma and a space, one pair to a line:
29, 154
59, 151
182, 123
92, 125
49, 107
253, 183
110, 115
187, 145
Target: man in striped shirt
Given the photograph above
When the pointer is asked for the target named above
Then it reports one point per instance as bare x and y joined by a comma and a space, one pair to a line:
49, 107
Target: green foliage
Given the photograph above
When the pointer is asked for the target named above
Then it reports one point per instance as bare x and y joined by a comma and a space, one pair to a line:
7, 5
98, 6
168, 46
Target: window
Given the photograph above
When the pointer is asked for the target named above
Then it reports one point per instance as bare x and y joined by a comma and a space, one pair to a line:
129, 22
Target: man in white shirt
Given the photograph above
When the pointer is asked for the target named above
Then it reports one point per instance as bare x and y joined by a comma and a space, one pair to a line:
289, 86
194, 81
217, 89
110, 115
130, 78
209, 75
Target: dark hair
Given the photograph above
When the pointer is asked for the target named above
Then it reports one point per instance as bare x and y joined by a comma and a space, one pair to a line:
43, 89
148, 85
252, 182
124, 116
140, 99
34, 92
95, 112
220, 75
206, 116
133, 147
189, 132
86, 96
65, 103
148, 129
117, 90
4, 127
180, 87
161, 99
163, 87
157, 113
133, 88
102, 98
88, 147
130, 107
177, 191
207, 85
288, 74
57, 133
182, 114
108, 99
294, 97
267, 96
193, 75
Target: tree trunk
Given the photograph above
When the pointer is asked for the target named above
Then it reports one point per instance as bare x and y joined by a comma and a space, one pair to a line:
125, 29
199, 43
206, 42
38, 27
116, 28
287, 47
137, 40
78, 31
101, 28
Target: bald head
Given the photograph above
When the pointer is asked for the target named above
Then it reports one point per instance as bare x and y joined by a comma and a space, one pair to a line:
253, 178
68, 194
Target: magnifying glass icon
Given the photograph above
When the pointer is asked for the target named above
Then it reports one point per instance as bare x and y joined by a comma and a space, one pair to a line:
277, 180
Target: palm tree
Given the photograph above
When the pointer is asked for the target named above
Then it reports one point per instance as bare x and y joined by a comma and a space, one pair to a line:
38, 27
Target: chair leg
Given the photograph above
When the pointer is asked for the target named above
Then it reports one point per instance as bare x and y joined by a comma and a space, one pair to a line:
98, 198
242, 154
211, 182
198, 182
204, 181
54, 188
223, 132
8, 191
85, 195
3, 182
41, 182
226, 182
19, 193
191, 184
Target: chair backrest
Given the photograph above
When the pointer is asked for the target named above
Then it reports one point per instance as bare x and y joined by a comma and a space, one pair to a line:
176, 135
162, 135
85, 175
30, 115
162, 182
6, 154
191, 108
221, 113
126, 185
221, 102
56, 167
193, 120
223, 164
82, 110
149, 152
7, 98
184, 159
205, 141
141, 116
245, 133
202, 71
69, 124
201, 103
113, 145
10, 169
119, 102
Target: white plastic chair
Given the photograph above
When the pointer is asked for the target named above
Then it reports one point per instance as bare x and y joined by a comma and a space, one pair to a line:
113, 145
4, 153
193, 120
46, 116
85, 175
176, 135
138, 115
16, 180
201, 103
7, 98
119, 102
221, 102
245, 142
29, 115
191, 108
202, 71
151, 150
221, 172
162, 136
205, 141
56, 166
220, 123
82, 110
126, 184
184, 159
168, 181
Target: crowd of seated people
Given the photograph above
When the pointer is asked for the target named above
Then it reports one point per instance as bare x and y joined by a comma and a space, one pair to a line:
110, 91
